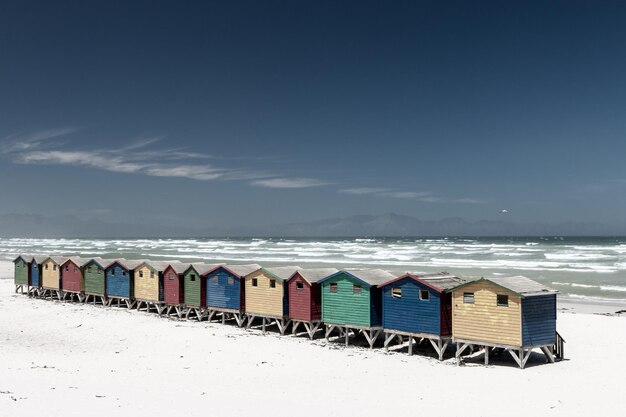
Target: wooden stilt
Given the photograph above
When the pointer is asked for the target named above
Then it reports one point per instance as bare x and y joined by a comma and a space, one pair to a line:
410, 345
486, 355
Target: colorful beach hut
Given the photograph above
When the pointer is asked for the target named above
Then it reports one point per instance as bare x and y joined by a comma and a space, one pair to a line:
51, 277
267, 297
195, 289
515, 314
225, 295
120, 282
174, 289
149, 285
35, 275
72, 282
419, 306
352, 301
305, 299
21, 273
95, 279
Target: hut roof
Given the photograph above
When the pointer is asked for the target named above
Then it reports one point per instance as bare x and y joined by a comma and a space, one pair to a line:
370, 277
313, 275
282, 272
440, 282
39, 259
25, 258
203, 269
101, 262
128, 264
77, 260
179, 267
241, 270
59, 260
158, 266
518, 284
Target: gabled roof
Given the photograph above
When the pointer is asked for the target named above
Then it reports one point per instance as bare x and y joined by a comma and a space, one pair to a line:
25, 258
519, 285
179, 267
313, 275
39, 259
128, 264
369, 277
102, 263
282, 273
59, 260
203, 269
78, 261
439, 282
239, 271
158, 266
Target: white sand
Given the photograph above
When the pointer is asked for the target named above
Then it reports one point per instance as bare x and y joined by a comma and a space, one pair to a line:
71, 359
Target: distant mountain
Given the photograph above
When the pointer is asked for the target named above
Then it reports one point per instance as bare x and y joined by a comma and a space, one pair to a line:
387, 225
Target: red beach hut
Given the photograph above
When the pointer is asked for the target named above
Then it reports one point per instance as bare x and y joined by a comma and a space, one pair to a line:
72, 282
173, 288
305, 299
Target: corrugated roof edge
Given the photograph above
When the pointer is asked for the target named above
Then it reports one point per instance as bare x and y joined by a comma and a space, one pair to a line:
519, 294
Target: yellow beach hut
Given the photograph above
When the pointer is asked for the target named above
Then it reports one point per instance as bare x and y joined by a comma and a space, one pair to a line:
51, 277
149, 285
266, 295
513, 314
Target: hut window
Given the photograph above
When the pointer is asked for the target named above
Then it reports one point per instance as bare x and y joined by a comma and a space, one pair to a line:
54, 267
140, 274
503, 300
99, 270
299, 286
151, 274
356, 289
75, 268
192, 277
123, 273
333, 287
216, 279
89, 269
46, 266
424, 295
171, 276
67, 268
231, 280
468, 297
255, 282
272, 283
396, 292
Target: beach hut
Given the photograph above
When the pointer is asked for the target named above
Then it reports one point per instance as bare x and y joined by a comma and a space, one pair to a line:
95, 280
267, 296
21, 273
419, 306
513, 314
149, 285
51, 277
351, 301
225, 295
73, 284
35, 275
305, 299
174, 289
120, 283
194, 286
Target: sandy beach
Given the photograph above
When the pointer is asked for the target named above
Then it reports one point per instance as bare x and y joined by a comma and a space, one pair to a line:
75, 359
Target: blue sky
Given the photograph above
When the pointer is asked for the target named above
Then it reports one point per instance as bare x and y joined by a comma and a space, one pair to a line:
267, 112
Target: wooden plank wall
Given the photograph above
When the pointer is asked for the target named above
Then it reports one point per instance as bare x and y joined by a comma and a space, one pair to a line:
146, 287
263, 299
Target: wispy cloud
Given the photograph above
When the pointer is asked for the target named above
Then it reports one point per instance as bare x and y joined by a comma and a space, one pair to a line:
289, 183
138, 157
421, 196
363, 191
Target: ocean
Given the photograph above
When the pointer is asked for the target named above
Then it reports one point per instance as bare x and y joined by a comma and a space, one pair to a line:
585, 269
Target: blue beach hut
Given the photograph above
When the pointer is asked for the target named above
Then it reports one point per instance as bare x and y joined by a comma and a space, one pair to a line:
419, 306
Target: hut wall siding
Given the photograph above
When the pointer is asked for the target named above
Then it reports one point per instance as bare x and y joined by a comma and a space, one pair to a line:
343, 307
35, 274
72, 277
222, 294
51, 277
147, 287
173, 292
117, 284
301, 304
539, 320
95, 282
195, 291
409, 313
21, 272
485, 320
264, 300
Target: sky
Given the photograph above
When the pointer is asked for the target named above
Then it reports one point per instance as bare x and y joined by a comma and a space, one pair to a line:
230, 113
